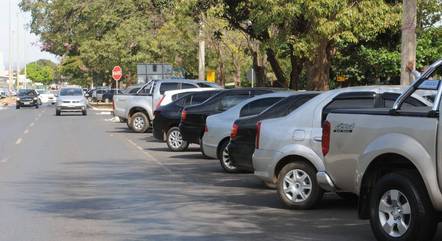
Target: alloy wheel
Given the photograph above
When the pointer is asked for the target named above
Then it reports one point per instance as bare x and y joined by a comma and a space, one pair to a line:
394, 213
297, 185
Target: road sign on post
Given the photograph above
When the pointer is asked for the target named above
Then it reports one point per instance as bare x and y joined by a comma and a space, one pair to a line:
117, 73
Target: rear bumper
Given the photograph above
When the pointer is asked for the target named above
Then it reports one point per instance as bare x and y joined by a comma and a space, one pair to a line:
241, 155
27, 103
191, 134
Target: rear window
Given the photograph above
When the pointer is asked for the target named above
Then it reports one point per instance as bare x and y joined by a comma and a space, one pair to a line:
204, 85
351, 100
187, 86
257, 106
168, 86
390, 98
288, 105
229, 101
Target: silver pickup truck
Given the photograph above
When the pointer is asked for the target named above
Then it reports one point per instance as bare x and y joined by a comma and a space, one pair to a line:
392, 159
137, 109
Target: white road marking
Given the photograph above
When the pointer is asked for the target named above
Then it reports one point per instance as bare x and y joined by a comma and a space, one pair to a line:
26, 131
32, 124
19, 140
150, 157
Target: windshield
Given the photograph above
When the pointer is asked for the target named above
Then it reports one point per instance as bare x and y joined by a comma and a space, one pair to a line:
26, 92
71, 92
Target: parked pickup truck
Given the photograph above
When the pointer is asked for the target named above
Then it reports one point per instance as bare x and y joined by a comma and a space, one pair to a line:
392, 159
137, 109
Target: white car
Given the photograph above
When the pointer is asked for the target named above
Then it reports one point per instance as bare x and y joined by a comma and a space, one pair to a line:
45, 96
172, 95
71, 99
288, 150
217, 132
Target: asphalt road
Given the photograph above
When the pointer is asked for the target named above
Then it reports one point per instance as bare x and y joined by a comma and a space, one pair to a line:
87, 178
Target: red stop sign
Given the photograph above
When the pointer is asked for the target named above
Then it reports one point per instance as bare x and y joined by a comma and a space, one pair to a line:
117, 73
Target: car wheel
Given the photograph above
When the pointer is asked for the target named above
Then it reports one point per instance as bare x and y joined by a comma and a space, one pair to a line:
107, 101
400, 209
57, 113
224, 158
297, 186
84, 112
17, 107
139, 122
175, 141
36, 106
89, 99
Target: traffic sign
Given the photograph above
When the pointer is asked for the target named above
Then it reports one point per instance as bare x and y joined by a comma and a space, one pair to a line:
117, 73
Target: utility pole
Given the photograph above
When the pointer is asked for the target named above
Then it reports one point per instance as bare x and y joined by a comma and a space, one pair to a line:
408, 44
201, 53
10, 82
17, 83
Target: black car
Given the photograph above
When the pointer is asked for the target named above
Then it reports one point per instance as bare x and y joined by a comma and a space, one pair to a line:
193, 118
27, 97
167, 118
108, 96
242, 138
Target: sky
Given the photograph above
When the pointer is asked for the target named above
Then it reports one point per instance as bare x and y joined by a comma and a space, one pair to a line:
29, 49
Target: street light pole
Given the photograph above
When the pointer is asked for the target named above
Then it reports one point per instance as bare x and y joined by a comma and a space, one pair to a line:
17, 83
408, 42
10, 48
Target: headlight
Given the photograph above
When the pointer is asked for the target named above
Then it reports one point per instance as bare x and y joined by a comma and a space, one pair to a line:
18, 99
35, 98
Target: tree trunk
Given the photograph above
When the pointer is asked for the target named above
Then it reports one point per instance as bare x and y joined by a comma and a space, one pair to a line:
237, 77
295, 73
220, 69
259, 69
408, 42
319, 69
271, 57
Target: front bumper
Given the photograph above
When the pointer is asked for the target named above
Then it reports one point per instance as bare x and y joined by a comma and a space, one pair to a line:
241, 155
27, 102
209, 150
73, 107
191, 134
264, 165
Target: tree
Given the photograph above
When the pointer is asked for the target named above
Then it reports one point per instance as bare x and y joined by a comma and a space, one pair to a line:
42, 71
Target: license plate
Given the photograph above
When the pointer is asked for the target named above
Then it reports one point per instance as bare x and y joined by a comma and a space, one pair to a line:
27, 103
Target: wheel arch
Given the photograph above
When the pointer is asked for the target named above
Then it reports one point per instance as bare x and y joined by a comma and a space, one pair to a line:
290, 159
218, 148
379, 167
136, 109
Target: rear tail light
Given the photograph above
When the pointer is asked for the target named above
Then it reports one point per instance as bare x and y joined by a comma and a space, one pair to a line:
159, 102
326, 137
206, 129
234, 131
183, 115
258, 133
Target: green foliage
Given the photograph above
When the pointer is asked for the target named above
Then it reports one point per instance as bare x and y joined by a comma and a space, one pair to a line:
42, 71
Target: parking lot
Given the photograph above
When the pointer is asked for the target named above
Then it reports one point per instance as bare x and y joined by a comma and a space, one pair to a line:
88, 178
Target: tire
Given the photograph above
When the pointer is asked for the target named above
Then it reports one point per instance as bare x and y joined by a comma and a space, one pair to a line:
224, 159
139, 122
107, 101
36, 106
17, 107
414, 213
89, 99
57, 113
84, 112
175, 141
295, 196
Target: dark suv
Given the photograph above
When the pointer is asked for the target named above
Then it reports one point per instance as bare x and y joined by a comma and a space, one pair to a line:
27, 97
193, 118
